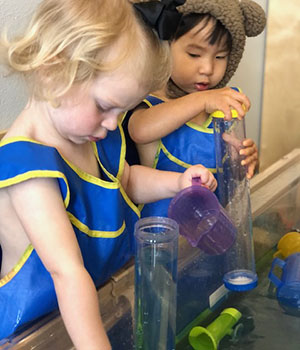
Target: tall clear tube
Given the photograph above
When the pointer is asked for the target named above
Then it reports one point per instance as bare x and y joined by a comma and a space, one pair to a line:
234, 195
155, 283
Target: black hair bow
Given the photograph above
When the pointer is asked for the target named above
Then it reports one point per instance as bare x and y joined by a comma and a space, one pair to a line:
161, 16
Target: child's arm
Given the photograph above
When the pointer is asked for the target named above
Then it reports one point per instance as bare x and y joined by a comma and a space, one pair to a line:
144, 184
41, 210
151, 124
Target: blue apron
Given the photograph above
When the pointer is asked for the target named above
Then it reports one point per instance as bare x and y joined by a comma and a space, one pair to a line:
102, 216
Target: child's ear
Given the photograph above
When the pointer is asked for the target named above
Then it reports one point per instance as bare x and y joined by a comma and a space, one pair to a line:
254, 17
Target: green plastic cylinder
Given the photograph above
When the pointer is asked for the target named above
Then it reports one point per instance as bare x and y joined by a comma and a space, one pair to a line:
201, 338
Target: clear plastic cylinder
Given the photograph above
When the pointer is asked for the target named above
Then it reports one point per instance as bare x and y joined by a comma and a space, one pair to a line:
234, 195
155, 283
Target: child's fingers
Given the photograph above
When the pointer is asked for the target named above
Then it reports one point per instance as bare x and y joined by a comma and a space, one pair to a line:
251, 170
242, 99
248, 143
227, 112
209, 181
249, 150
241, 110
250, 159
204, 176
227, 99
213, 186
245, 101
241, 104
232, 140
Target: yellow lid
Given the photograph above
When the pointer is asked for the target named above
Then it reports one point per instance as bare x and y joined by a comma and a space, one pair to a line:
220, 114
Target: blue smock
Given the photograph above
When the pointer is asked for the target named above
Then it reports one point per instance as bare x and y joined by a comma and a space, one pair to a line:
101, 214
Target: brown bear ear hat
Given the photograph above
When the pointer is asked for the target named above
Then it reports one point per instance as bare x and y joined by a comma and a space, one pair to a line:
240, 17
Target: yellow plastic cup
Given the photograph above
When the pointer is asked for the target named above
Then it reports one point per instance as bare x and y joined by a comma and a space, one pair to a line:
288, 244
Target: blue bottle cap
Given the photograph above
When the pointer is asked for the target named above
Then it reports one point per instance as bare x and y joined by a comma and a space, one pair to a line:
240, 280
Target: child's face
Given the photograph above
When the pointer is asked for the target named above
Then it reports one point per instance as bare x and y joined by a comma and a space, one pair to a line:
86, 114
197, 65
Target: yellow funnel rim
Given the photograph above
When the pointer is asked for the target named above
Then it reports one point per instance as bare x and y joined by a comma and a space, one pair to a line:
196, 343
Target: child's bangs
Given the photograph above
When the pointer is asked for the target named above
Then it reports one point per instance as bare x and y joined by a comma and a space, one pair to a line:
219, 35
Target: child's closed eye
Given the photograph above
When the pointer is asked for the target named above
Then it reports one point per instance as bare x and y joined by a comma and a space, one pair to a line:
222, 55
99, 107
193, 55
102, 108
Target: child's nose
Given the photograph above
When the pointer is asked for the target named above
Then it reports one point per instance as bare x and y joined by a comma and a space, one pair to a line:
110, 121
206, 67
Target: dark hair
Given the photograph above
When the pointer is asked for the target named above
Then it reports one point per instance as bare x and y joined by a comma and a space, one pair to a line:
190, 20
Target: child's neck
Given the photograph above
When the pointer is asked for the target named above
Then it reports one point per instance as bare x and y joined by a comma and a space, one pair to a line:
161, 94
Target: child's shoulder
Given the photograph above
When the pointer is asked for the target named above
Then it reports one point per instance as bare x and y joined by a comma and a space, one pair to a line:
152, 100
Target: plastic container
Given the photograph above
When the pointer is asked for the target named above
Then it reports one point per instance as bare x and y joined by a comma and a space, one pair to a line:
234, 195
155, 283
202, 220
201, 338
288, 244
288, 286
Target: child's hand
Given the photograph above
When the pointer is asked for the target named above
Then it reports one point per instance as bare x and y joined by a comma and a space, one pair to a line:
250, 153
225, 100
206, 177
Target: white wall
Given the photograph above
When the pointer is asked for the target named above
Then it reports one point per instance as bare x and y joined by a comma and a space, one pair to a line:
13, 14
249, 76
280, 128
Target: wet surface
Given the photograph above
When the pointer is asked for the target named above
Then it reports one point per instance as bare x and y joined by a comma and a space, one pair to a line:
264, 324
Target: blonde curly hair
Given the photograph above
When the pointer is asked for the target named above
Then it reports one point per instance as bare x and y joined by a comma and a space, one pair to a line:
66, 43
